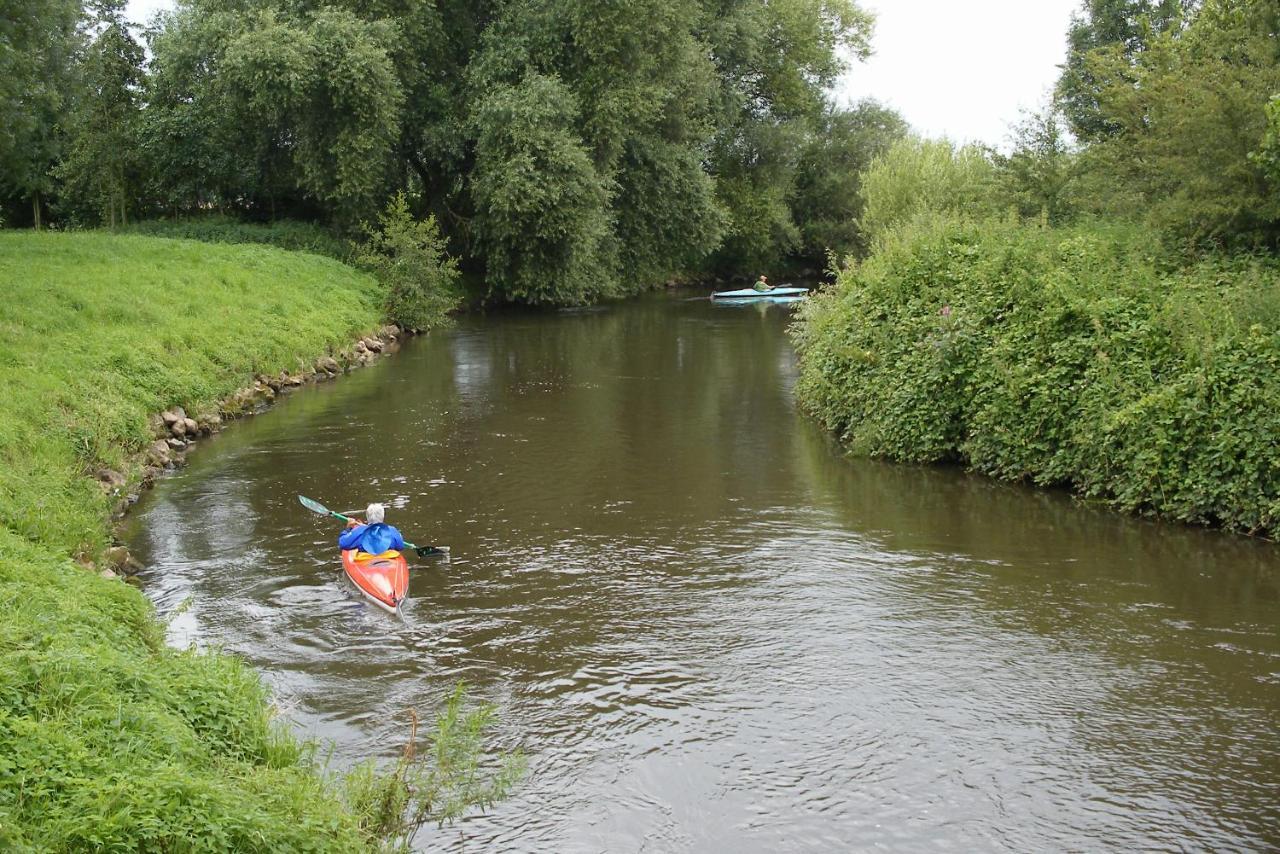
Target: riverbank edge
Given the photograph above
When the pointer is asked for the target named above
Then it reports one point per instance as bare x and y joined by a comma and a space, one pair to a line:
176, 433
108, 735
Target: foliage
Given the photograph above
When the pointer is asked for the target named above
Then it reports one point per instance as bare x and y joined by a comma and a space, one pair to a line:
284, 234
392, 805
828, 202
39, 40
272, 103
919, 177
100, 166
1185, 118
407, 256
541, 207
1036, 178
1123, 27
1061, 357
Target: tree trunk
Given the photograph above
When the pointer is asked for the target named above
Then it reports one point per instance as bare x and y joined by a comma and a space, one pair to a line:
35, 208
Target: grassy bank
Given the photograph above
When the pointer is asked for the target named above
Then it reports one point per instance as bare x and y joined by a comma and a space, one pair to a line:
108, 739
1069, 357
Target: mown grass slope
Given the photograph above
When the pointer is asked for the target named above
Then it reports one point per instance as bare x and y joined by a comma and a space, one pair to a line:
109, 740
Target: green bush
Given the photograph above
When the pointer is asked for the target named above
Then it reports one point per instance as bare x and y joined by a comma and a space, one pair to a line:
922, 177
284, 234
1071, 357
407, 255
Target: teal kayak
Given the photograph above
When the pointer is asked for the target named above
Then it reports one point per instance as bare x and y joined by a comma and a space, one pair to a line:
752, 293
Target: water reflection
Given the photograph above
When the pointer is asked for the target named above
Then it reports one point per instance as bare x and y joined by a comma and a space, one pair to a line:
712, 631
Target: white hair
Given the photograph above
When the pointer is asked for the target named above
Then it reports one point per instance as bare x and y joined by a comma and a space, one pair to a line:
375, 513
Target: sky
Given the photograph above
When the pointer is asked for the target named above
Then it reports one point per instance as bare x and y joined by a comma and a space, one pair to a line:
956, 68
962, 68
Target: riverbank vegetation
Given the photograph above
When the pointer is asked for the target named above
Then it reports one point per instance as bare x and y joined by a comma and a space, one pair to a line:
1101, 315
109, 739
566, 152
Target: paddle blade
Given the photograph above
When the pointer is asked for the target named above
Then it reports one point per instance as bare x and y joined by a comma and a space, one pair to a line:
431, 551
313, 506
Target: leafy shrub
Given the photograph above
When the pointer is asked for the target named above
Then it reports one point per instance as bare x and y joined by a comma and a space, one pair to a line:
285, 234
1069, 357
917, 177
407, 255
392, 805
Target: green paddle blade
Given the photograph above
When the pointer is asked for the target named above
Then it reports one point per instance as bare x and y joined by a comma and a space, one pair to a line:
313, 506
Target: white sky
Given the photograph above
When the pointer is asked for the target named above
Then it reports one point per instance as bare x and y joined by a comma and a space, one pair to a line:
962, 68
955, 68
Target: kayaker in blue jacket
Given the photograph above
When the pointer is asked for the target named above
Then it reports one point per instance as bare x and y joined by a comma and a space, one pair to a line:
373, 537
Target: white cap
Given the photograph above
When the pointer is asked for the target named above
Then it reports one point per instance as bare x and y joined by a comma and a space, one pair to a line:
375, 513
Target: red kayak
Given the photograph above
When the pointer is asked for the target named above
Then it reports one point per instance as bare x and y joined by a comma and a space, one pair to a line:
382, 578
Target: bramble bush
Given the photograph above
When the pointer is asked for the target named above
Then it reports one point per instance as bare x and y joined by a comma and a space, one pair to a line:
1074, 357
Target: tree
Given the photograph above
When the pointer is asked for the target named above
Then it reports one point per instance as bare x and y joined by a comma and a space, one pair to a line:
1123, 28
1036, 176
99, 169
541, 208
828, 187
919, 177
39, 43
1188, 116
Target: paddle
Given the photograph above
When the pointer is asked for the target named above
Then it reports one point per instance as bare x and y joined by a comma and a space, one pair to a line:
422, 551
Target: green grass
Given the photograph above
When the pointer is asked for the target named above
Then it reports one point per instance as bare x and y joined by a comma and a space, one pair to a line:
109, 740
98, 331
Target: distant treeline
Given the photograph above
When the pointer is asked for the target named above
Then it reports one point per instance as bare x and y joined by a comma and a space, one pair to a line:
1101, 315
567, 150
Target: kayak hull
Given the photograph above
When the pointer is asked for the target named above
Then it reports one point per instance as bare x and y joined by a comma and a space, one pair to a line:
382, 579
752, 293
757, 300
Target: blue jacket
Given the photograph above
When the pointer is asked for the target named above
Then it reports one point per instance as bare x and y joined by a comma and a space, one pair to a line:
371, 539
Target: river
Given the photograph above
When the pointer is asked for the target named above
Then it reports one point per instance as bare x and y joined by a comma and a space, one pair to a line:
707, 628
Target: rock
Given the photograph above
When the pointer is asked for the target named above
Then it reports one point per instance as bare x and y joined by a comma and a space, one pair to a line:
213, 423
373, 344
390, 331
293, 381
328, 365
361, 347
179, 428
106, 573
110, 478
157, 427
265, 392
272, 383
176, 444
121, 561
149, 474
158, 453
169, 416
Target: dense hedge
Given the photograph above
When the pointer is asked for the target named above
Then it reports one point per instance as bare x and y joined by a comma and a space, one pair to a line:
1070, 357
294, 235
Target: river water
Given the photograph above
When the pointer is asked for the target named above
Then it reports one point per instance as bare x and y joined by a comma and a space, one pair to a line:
709, 630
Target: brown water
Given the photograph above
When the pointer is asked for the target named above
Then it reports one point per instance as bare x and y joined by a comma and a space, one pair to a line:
709, 630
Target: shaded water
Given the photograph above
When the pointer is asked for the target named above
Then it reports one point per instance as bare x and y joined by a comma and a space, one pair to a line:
709, 630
